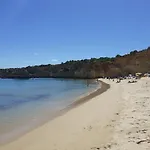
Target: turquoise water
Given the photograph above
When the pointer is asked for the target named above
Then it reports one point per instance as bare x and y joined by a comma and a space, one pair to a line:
26, 103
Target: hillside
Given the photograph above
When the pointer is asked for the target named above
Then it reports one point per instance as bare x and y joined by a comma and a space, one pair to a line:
136, 61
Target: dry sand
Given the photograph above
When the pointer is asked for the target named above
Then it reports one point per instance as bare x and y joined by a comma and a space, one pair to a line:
118, 119
132, 129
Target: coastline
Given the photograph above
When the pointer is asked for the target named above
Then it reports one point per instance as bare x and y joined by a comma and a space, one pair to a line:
79, 101
87, 121
114, 120
85, 98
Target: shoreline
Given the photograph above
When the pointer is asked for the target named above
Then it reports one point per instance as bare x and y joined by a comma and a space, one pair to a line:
79, 101
114, 120
85, 98
79, 121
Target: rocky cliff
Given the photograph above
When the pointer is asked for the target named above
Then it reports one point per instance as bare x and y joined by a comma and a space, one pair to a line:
136, 61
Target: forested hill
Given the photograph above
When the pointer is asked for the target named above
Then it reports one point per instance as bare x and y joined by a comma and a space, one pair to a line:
136, 61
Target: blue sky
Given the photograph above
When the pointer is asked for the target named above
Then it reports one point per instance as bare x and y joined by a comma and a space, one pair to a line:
53, 31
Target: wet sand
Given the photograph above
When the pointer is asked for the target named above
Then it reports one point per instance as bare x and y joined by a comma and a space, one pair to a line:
103, 88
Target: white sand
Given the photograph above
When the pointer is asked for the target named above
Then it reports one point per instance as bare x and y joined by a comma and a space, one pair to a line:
132, 130
116, 120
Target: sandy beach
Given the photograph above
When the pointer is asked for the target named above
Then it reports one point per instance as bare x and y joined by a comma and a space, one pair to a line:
116, 119
132, 129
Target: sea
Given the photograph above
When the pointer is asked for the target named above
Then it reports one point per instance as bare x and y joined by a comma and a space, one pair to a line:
27, 103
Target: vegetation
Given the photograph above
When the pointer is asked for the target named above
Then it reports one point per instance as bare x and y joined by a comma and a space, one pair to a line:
87, 68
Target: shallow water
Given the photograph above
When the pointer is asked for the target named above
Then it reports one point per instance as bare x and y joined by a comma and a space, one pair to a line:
26, 103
